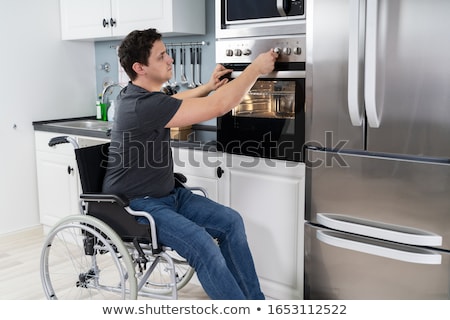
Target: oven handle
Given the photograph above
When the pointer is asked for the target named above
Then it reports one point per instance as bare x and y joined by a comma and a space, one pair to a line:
288, 74
395, 252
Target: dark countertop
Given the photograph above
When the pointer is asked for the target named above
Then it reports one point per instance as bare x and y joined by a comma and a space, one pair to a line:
45, 126
203, 137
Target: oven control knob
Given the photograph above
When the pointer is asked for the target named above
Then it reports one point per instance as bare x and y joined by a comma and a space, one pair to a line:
238, 52
297, 50
247, 52
229, 53
277, 50
287, 51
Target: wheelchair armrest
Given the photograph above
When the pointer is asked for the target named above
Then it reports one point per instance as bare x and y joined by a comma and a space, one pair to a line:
103, 197
179, 177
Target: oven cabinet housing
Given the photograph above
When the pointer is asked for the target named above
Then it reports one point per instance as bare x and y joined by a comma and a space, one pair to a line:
57, 176
199, 167
110, 19
269, 194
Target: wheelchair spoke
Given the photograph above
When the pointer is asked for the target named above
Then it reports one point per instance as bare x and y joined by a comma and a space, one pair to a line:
71, 270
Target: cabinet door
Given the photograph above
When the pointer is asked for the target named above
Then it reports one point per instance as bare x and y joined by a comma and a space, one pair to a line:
85, 19
169, 17
199, 168
139, 14
57, 186
57, 175
210, 185
269, 195
114, 19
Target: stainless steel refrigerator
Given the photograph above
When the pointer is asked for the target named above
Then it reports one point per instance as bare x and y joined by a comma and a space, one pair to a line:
378, 149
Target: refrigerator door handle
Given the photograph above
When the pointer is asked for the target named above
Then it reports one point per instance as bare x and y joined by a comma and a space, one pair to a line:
379, 230
355, 58
370, 80
419, 255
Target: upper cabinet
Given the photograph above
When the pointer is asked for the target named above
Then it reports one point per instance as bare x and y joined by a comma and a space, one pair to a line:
114, 19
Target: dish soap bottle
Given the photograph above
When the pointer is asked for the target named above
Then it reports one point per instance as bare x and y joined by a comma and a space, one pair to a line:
111, 110
98, 110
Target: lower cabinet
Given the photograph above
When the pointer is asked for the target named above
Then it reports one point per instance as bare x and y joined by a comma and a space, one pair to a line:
269, 194
199, 167
57, 176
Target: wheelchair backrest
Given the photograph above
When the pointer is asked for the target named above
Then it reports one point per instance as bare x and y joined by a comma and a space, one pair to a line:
92, 163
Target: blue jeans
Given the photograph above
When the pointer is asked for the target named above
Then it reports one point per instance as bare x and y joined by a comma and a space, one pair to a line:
189, 223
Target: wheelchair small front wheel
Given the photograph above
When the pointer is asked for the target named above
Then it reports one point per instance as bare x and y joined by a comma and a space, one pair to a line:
83, 258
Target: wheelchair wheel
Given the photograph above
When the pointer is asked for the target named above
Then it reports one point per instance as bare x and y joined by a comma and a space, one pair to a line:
83, 258
160, 282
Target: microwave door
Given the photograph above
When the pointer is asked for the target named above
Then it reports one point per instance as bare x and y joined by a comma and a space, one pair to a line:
248, 10
250, 18
244, 10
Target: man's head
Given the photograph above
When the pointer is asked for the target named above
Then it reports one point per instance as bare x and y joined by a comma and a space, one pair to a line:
136, 47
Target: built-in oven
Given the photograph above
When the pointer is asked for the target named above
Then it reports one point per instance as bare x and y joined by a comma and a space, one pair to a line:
247, 18
269, 122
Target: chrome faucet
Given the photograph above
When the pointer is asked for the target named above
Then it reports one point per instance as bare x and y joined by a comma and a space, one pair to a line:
105, 90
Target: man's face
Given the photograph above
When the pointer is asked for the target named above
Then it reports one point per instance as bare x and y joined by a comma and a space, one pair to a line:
159, 66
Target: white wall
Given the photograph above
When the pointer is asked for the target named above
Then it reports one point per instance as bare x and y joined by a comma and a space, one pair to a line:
41, 78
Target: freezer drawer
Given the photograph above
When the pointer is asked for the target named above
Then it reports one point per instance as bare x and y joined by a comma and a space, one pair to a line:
345, 266
391, 191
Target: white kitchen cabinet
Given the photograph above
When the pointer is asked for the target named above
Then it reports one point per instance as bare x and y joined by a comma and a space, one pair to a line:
269, 194
199, 167
114, 19
57, 176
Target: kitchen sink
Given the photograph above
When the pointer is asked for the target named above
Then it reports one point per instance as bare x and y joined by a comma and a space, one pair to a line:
87, 124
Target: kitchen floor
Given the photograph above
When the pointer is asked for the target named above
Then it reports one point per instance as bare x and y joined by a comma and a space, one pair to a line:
19, 264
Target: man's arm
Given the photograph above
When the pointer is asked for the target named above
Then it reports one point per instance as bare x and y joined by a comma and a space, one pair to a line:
213, 84
198, 109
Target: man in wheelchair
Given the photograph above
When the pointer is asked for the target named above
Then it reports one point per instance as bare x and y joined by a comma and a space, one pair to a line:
211, 237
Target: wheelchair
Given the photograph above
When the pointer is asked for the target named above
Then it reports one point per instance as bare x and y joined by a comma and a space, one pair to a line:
104, 253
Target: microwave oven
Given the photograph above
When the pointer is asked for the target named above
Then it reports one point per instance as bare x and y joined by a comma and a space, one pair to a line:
249, 18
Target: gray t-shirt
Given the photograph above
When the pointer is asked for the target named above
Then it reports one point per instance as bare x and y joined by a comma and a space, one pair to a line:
140, 158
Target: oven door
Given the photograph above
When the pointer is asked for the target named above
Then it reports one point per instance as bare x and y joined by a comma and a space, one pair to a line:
264, 125
240, 18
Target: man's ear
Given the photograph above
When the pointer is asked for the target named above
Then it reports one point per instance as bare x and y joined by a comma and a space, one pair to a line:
137, 67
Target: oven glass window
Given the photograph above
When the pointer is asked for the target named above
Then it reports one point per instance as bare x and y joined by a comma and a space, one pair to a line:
237, 10
268, 99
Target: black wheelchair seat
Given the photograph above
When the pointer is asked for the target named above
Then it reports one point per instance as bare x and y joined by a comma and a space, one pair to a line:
92, 164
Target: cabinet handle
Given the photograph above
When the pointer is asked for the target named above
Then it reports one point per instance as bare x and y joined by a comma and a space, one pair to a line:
105, 23
69, 169
219, 172
112, 22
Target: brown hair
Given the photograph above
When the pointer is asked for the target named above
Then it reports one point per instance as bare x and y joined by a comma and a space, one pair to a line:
136, 47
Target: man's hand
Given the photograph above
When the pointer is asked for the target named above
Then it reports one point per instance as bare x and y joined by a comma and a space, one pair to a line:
215, 82
265, 62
